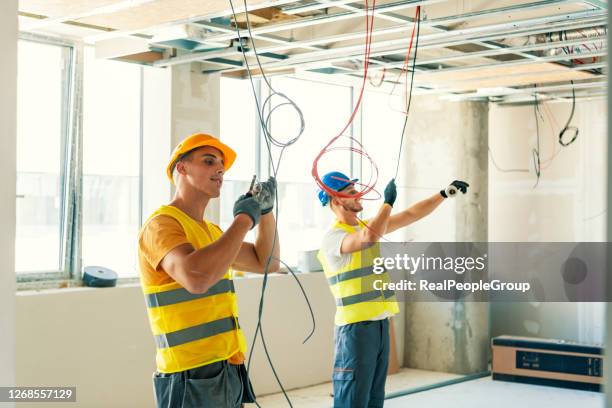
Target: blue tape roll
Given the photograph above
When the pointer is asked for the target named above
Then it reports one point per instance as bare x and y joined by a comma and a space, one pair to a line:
99, 277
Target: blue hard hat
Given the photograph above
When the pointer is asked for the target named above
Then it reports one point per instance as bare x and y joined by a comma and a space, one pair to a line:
335, 181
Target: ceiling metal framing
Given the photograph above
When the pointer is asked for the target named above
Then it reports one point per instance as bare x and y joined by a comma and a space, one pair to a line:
327, 53
485, 43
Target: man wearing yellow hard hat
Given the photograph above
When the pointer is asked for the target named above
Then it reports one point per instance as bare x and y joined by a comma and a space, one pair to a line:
184, 270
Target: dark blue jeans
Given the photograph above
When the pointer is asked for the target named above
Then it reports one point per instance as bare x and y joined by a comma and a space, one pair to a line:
360, 366
216, 385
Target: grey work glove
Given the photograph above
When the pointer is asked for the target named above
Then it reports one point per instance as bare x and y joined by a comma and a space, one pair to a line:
267, 195
248, 205
453, 188
390, 193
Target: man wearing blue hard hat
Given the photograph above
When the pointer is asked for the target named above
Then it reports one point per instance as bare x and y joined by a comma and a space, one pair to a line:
362, 314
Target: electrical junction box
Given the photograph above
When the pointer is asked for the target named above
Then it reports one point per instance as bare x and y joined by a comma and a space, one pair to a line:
556, 363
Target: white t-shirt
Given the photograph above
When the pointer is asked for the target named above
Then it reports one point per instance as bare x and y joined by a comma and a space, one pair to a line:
332, 242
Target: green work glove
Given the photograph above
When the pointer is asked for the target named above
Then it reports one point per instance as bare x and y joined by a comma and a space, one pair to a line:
248, 205
266, 195
390, 193
454, 188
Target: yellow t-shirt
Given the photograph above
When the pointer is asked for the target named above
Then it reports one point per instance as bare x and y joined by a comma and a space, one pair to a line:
160, 235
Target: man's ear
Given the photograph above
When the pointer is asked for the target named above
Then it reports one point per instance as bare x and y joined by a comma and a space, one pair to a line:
180, 168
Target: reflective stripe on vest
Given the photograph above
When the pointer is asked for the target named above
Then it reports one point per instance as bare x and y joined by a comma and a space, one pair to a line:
180, 295
196, 332
351, 285
364, 297
192, 330
357, 273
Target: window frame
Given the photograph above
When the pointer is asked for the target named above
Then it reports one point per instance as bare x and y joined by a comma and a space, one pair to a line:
71, 172
67, 137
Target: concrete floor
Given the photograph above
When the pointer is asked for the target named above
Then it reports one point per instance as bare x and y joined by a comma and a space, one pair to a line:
481, 393
319, 396
486, 393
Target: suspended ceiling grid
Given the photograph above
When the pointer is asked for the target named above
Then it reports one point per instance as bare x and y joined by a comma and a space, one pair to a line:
467, 48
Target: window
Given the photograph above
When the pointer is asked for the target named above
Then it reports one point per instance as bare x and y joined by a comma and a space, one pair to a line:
75, 210
43, 85
302, 220
326, 108
111, 166
240, 131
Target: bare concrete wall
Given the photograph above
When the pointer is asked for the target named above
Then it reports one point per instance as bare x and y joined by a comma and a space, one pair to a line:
446, 141
568, 205
8, 130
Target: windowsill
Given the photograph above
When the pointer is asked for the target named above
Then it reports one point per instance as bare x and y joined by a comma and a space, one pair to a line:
64, 286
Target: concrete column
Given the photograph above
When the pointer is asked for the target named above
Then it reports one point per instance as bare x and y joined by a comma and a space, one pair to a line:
8, 130
445, 141
196, 107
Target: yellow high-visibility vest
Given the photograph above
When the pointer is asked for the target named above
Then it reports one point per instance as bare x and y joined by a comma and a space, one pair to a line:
353, 285
193, 330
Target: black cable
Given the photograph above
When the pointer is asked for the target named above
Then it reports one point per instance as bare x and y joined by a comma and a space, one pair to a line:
270, 140
502, 169
567, 125
305, 298
416, 47
535, 153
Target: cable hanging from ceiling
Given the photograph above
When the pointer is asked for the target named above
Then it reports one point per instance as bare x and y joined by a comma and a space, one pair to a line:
264, 118
408, 93
355, 146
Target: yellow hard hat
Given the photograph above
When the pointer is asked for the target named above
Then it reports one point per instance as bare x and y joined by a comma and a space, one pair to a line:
200, 140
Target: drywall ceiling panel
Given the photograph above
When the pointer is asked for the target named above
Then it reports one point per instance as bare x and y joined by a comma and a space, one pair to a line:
158, 13
502, 76
58, 8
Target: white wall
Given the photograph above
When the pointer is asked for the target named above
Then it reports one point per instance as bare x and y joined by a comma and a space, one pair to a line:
8, 115
99, 340
568, 205
156, 138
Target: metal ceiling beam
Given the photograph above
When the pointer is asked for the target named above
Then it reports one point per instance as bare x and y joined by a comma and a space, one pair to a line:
402, 28
322, 19
554, 98
583, 67
531, 90
264, 37
479, 54
394, 50
603, 5
510, 50
495, 31
504, 30
239, 9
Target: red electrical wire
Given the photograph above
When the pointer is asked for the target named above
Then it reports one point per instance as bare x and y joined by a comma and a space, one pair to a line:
404, 70
358, 147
